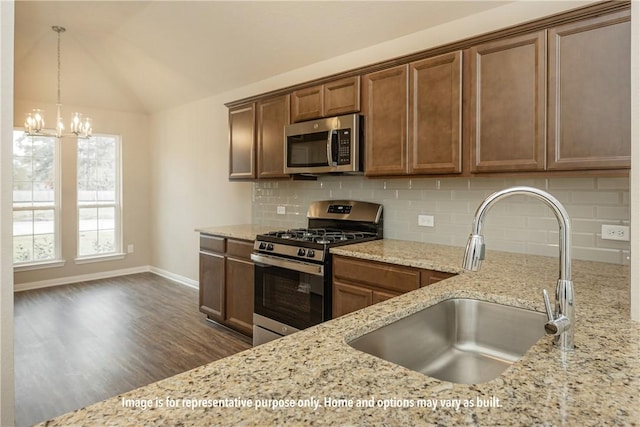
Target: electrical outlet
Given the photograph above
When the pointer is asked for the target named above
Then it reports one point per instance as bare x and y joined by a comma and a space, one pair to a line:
425, 220
130, 248
615, 232
281, 210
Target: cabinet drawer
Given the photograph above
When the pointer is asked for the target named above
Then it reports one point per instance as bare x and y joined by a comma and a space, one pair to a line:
212, 243
239, 248
386, 276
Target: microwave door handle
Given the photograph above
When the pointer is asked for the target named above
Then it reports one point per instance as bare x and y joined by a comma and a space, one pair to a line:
330, 148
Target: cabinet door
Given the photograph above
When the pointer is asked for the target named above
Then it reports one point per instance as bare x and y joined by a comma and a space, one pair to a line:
240, 276
242, 142
379, 296
307, 104
590, 94
212, 288
273, 116
435, 102
348, 298
342, 96
385, 99
507, 104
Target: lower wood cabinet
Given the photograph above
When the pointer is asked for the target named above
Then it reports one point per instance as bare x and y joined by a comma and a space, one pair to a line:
360, 283
227, 282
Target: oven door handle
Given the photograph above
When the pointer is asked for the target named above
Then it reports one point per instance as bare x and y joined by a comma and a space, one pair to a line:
302, 267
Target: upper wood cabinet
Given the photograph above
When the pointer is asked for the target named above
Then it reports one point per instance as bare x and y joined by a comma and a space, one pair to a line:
506, 117
330, 99
256, 139
273, 116
589, 116
242, 121
435, 115
385, 107
413, 117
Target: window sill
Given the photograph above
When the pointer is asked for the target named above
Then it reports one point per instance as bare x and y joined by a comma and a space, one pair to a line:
39, 265
100, 258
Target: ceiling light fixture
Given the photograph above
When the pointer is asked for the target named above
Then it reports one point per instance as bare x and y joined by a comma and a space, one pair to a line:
81, 127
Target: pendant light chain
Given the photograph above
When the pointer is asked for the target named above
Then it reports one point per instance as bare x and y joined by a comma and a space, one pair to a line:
59, 30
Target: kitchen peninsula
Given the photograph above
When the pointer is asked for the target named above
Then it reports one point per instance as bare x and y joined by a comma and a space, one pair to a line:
327, 382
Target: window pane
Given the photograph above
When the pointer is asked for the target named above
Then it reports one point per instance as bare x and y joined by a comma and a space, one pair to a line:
22, 192
88, 219
22, 223
22, 144
106, 241
22, 168
22, 248
44, 222
43, 192
98, 195
43, 247
87, 242
34, 187
106, 218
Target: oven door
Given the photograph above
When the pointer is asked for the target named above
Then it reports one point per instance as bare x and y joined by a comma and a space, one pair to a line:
289, 292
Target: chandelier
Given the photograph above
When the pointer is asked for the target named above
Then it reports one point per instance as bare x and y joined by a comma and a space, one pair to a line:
80, 126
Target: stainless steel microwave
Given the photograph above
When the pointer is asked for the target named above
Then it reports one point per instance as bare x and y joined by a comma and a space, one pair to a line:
332, 144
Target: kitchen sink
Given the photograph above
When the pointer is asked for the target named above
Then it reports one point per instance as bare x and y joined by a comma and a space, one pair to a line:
458, 340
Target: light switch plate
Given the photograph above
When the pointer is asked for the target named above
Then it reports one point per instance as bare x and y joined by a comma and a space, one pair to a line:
281, 210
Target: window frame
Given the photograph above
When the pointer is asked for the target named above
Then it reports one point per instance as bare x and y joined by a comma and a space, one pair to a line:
57, 260
118, 253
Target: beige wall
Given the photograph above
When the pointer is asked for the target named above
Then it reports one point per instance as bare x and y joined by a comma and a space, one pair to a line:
190, 157
134, 130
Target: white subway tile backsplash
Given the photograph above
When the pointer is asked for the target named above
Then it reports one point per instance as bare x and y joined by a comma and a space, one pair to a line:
517, 224
596, 197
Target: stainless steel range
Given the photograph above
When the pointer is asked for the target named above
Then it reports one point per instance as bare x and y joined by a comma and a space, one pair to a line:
293, 267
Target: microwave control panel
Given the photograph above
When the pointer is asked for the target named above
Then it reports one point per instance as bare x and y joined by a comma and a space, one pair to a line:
344, 146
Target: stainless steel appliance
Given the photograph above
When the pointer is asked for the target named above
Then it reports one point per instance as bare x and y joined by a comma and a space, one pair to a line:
293, 267
331, 144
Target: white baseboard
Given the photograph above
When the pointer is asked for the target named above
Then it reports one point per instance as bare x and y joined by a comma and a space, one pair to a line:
175, 277
80, 278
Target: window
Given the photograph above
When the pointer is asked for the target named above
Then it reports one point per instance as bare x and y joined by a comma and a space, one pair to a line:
99, 207
35, 199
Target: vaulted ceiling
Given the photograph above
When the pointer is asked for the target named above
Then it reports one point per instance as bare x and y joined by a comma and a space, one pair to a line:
144, 56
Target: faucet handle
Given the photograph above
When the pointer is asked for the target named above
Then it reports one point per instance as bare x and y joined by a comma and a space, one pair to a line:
547, 305
555, 325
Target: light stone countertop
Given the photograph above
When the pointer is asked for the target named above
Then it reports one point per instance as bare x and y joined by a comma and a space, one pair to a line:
596, 384
241, 231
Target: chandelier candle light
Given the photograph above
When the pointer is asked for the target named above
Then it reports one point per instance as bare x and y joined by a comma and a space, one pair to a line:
34, 123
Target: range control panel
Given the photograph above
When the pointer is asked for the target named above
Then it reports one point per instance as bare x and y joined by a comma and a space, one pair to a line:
339, 209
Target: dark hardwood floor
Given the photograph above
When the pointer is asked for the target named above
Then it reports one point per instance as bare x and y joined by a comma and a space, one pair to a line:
82, 343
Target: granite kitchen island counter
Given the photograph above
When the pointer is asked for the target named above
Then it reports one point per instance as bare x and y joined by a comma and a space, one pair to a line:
314, 377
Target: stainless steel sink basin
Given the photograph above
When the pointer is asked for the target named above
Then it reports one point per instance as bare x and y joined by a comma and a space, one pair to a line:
458, 340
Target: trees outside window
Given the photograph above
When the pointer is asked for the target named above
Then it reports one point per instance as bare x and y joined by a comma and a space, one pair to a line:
35, 199
99, 207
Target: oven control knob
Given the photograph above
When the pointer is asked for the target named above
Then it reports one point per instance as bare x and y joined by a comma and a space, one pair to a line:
301, 252
270, 246
262, 246
311, 253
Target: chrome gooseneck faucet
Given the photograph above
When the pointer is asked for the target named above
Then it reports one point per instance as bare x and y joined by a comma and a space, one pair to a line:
561, 322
